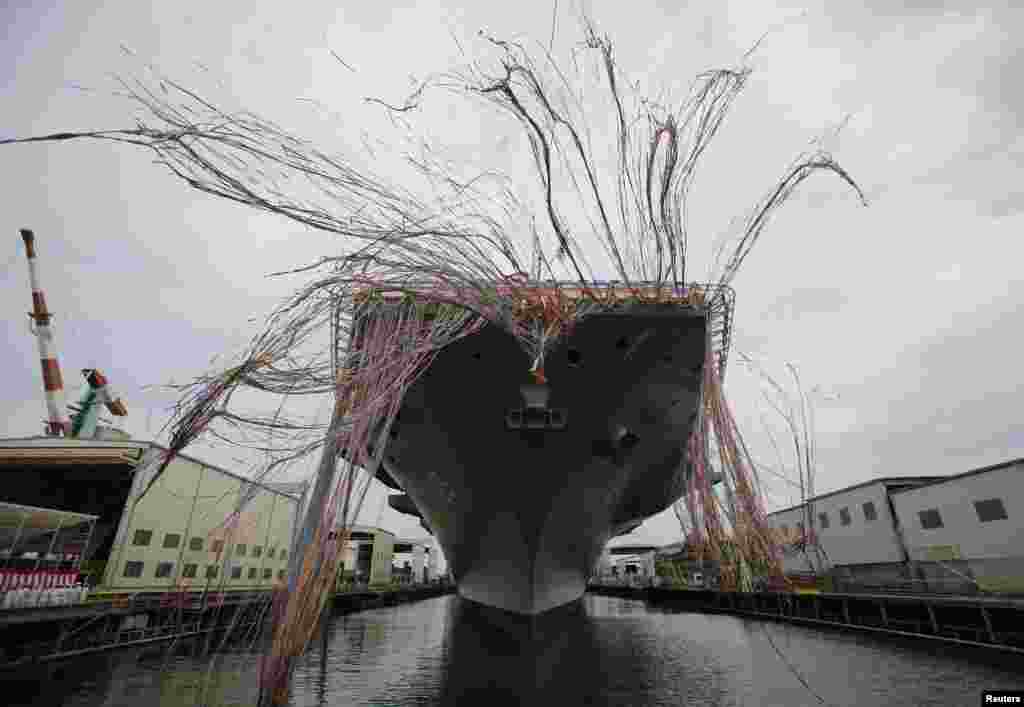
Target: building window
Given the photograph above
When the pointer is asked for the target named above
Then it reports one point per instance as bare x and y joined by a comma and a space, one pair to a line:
240, 550
844, 516
823, 519
236, 573
869, 511
172, 540
284, 554
164, 569
188, 571
142, 537
257, 550
195, 544
252, 572
280, 574
212, 571
267, 572
218, 545
992, 509
133, 569
271, 552
930, 519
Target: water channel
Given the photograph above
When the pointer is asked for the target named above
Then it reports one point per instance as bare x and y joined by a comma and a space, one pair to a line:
603, 651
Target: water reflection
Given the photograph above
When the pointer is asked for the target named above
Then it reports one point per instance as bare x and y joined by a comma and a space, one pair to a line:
606, 651
600, 651
508, 655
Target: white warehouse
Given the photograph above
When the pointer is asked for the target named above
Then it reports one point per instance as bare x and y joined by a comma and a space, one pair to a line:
956, 533
969, 525
854, 527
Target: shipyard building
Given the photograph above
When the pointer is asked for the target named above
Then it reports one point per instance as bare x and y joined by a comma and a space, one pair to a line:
962, 533
84, 503
69, 511
629, 562
175, 536
367, 555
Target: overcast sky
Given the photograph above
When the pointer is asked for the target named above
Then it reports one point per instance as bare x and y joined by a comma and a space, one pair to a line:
906, 313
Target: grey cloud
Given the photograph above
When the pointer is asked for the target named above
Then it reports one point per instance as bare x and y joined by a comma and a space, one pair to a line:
375, 16
1006, 206
800, 302
151, 279
945, 401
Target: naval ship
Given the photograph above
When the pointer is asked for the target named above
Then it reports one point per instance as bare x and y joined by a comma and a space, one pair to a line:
523, 483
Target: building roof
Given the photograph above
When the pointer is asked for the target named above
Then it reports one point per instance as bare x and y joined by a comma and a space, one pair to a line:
292, 488
71, 442
262, 484
909, 483
370, 529
631, 549
972, 472
403, 543
67, 451
27, 521
673, 548
914, 481
61, 451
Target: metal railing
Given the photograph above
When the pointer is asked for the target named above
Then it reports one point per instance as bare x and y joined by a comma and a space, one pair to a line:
719, 300
192, 601
908, 586
52, 649
359, 587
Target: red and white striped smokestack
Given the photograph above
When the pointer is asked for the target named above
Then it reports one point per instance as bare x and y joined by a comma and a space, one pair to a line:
57, 423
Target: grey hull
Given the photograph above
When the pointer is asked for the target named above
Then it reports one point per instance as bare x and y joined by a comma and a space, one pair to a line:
522, 515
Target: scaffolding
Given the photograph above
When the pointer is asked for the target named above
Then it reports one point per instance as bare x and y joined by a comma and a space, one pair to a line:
36, 542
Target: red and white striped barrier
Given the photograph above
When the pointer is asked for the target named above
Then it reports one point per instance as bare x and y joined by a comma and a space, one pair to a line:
173, 599
37, 579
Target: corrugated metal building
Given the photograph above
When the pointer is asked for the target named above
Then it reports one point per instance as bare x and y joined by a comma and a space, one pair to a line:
968, 527
624, 560
854, 527
367, 556
176, 535
419, 556
954, 533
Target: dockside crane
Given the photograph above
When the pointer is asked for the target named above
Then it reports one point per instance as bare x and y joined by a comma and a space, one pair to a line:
56, 423
84, 424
